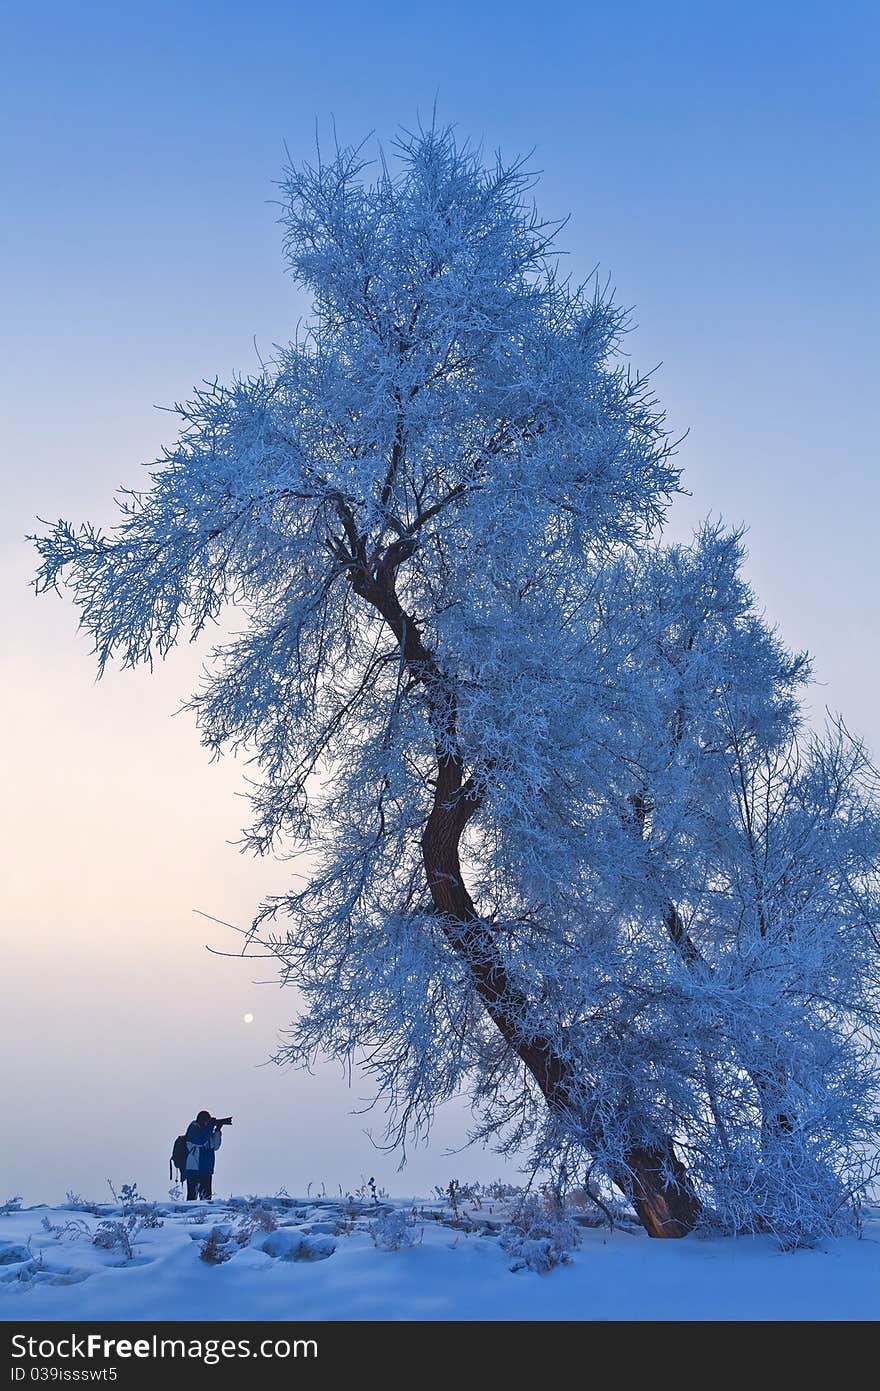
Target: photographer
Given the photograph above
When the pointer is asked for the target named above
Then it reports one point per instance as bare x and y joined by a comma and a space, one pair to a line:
203, 1139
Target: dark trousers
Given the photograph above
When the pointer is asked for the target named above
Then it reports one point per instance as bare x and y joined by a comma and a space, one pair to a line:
198, 1186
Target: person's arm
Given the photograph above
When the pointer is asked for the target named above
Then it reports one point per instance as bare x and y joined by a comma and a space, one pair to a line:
216, 1137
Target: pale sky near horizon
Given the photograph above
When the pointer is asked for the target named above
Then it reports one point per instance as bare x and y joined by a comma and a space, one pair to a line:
718, 161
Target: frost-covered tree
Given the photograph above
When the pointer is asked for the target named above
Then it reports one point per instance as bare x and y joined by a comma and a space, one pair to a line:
570, 848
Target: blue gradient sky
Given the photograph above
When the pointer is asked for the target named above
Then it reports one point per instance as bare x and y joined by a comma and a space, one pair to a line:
718, 161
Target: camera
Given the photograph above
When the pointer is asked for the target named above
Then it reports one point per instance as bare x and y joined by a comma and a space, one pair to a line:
227, 1120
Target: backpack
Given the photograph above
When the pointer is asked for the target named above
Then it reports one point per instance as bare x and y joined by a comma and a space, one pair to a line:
178, 1158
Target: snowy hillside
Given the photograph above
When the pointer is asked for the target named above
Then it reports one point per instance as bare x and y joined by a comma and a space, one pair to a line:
284, 1258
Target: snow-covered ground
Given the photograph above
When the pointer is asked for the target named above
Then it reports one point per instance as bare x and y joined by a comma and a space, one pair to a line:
321, 1261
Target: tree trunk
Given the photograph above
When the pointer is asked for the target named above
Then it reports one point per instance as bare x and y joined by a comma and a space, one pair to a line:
664, 1210
653, 1178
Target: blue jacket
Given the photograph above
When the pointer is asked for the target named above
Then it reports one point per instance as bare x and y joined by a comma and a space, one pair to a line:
201, 1143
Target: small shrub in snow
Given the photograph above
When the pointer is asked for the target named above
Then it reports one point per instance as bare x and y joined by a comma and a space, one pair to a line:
215, 1249
131, 1201
80, 1204
257, 1217
128, 1196
540, 1235
351, 1210
455, 1195
393, 1231
502, 1192
479, 1194
117, 1234
368, 1191
138, 1214
120, 1233
68, 1231
11, 1205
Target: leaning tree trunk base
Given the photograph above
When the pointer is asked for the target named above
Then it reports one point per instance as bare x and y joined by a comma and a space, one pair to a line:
664, 1209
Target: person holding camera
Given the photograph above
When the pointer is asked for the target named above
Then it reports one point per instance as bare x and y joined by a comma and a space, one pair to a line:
203, 1139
